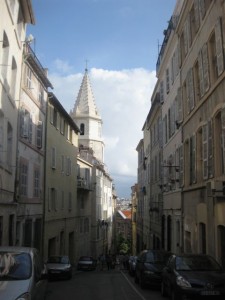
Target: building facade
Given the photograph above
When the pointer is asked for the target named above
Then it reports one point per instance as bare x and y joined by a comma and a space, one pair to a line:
14, 16
30, 178
190, 79
60, 229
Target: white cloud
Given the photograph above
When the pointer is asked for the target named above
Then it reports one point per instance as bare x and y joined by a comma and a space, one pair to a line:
123, 100
62, 66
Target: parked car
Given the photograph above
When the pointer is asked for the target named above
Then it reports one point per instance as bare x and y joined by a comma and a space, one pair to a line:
22, 274
59, 266
132, 265
193, 276
149, 267
86, 263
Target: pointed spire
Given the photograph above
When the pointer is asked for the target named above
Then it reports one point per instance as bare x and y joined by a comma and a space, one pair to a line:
85, 103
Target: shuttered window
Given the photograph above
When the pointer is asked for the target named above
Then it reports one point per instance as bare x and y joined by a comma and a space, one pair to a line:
219, 47
205, 150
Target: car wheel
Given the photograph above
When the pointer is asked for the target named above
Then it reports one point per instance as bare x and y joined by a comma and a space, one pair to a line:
142, 283
136, 280
163, 290
174, 295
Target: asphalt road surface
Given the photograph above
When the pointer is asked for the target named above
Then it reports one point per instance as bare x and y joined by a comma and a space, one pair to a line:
100, 285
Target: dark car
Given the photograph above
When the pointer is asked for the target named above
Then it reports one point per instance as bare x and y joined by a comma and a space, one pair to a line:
59, 266
149, 267
86, 263
190, 276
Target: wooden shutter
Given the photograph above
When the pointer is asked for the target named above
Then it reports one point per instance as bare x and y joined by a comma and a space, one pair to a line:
201, 78
196, 9
161, 91
191, 90
202, 8
193, 158
223, 136
181, 165
210, 150
205, 150
205, 62
39, 134
219, 47
180, 106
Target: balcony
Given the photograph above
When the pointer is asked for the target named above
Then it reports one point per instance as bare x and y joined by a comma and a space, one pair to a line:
83, 184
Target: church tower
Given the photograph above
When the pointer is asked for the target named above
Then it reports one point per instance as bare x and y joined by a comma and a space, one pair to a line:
87, 118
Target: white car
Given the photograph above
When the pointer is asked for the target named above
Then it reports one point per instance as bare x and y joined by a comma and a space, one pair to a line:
59, 266
22, 274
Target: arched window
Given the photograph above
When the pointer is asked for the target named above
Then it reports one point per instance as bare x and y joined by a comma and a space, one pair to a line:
82, 127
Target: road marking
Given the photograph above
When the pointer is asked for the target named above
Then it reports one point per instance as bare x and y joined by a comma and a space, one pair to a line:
136, 291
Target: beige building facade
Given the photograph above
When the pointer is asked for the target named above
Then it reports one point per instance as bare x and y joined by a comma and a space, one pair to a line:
60, 181
14, 16
191, 76
30, 177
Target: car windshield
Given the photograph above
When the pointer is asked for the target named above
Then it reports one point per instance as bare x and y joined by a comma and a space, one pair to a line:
86, 258
197, 263
157, 257
58, 260
14, 266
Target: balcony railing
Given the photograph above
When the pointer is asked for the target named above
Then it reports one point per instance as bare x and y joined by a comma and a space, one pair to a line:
83, 183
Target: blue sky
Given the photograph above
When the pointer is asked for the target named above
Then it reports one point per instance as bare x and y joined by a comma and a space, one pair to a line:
119, 39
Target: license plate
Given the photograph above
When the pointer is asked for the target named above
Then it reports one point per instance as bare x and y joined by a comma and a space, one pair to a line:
210, 293
55, 272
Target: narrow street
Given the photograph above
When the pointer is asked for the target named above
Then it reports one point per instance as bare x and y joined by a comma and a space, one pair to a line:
100, 285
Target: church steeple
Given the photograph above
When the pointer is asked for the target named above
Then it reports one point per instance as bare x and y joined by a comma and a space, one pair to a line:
86, 116
85, 104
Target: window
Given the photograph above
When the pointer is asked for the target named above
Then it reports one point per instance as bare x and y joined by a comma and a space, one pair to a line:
196, 82
161, 91
23, 178
62, 125
202, 238
181, 165
53, 161
165, 134
5, 56
55, 117
36, 183
205, 150
13, 78
39, 134
82, 128
219, 48
70, 201
9, 146
28, 77
20, 22
190, 91
1, 137
87, 175
192, 159
62, 164
41, 94
53, 199
167, 81
203, 70
26, 125
68, 166
62, 200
